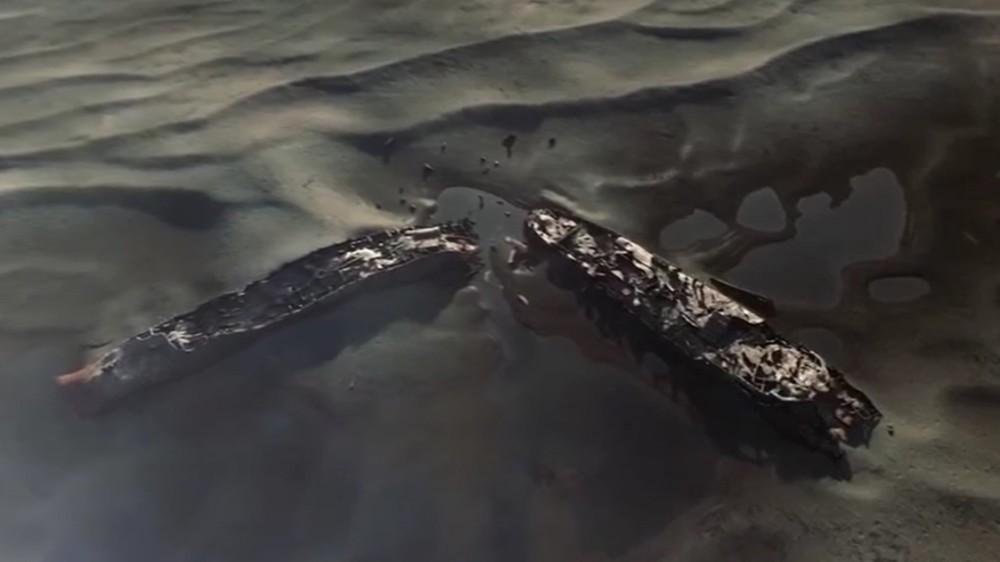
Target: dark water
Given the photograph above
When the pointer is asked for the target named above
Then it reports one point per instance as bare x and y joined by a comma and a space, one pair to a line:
698, 226
761, 210
806, 270
898, 289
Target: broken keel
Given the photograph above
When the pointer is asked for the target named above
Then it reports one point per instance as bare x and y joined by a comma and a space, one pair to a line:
216, 328
793, 387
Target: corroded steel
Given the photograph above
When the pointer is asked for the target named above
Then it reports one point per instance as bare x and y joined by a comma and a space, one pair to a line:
217, 327
793, 385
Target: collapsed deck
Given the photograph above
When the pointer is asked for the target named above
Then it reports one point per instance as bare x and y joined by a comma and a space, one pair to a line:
793, 386
192, 341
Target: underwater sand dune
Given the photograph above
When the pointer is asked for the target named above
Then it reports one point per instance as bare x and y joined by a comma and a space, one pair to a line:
154, 154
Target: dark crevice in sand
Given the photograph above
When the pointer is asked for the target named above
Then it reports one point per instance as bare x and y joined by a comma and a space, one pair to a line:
974, 401
178, 207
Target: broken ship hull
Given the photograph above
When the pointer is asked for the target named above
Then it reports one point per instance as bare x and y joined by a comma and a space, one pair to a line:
792, 387
194, 340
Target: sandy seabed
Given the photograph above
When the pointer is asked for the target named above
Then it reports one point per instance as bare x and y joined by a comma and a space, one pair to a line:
839, 156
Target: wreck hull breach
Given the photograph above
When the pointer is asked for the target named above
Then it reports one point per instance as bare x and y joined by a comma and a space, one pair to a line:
793, 387
192, 341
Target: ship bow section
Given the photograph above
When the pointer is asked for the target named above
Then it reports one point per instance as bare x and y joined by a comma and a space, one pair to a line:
793, 386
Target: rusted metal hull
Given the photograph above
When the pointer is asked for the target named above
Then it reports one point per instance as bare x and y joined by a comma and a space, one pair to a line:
192, 341
793, 387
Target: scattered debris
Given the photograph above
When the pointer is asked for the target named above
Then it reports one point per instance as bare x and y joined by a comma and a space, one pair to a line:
516, 244
518, 253
496, 163
428, 171
508, 144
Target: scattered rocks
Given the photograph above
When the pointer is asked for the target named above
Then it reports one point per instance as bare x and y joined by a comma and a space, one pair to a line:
552, 142
508, 143
428, 171
444, 147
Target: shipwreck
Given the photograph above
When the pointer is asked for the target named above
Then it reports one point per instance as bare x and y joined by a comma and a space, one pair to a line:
792, 387
699, 322
192, 341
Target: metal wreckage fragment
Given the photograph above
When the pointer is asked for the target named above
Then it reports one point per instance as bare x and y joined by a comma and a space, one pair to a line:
793, 387
192, 341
